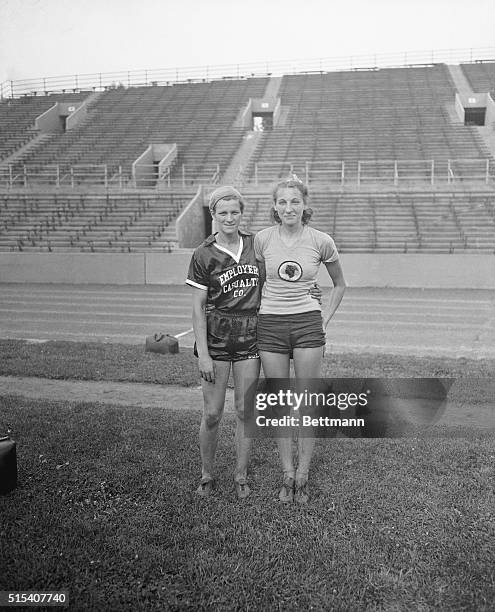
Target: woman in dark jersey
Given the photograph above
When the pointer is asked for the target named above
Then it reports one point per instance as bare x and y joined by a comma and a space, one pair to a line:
224, 277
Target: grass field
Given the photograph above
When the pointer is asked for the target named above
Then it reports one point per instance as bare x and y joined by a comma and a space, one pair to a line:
105, 505
122, 362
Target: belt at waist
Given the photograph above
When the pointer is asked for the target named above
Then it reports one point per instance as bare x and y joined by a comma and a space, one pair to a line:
233, 313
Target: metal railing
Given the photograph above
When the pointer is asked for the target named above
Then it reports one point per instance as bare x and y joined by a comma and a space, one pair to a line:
103, 176
323, 171
470, 169
167, 76
339, 174
388, 172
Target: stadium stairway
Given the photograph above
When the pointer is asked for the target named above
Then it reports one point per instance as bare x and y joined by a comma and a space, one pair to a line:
459, 78
234, 175
19, 154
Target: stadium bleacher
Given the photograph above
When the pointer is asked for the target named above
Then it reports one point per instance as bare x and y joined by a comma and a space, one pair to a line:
389, 126
481, 76
82, 222
123, 122
435, 222
388, 114
17, 117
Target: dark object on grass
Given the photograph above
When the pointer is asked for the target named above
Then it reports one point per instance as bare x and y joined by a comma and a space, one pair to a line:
8, 465
162, 343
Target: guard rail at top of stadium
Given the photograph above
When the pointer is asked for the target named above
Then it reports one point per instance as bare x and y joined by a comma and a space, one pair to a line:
100, 81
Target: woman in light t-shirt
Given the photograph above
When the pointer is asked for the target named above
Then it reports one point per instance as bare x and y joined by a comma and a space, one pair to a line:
290, 322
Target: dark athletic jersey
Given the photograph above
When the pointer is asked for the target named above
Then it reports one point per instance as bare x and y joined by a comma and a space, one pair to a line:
231, 279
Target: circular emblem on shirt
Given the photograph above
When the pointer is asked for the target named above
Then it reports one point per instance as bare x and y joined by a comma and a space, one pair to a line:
290, 271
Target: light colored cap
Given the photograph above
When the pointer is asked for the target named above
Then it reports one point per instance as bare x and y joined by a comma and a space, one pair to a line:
223, 192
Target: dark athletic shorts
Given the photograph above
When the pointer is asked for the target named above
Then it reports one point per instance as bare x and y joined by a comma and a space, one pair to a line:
231, 336
283, 333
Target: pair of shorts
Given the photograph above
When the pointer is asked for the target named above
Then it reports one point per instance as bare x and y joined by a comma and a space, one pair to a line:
231, 336
283, 333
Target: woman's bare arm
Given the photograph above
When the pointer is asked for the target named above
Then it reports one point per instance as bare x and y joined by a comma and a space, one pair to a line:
334, 269
205, 362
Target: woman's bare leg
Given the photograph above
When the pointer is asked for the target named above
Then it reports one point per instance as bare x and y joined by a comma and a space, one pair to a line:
246, 372
307, 364
214, 400
276, 365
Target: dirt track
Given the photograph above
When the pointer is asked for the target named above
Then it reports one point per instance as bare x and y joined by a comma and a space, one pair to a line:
396, 321
459, 410
126, 394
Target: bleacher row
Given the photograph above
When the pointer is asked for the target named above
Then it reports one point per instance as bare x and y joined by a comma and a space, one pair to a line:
17, 118
370, 222
123, 122
397, 222
388, 114
481, 76
45, 222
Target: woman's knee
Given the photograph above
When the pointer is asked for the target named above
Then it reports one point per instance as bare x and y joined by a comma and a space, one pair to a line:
211, 419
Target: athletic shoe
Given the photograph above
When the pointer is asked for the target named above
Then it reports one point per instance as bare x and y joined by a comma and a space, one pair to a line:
242, 488
301, 496
206, 487
286, 494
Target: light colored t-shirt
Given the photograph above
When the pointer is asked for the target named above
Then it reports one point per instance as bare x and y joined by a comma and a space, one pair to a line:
291, 270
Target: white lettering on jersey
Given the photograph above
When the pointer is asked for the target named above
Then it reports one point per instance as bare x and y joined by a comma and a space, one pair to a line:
248, 282
236, 271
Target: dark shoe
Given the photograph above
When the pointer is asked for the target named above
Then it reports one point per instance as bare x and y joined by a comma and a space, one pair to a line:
242, 488
301, 496
206, 487
286, 494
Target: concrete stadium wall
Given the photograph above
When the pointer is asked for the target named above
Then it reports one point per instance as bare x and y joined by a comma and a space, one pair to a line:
361, 270
490, 111
77, 268
166, 154
243, 119
167, 269
142, 166
190, 224
74, 117
49, 121
416, 270
459, 107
